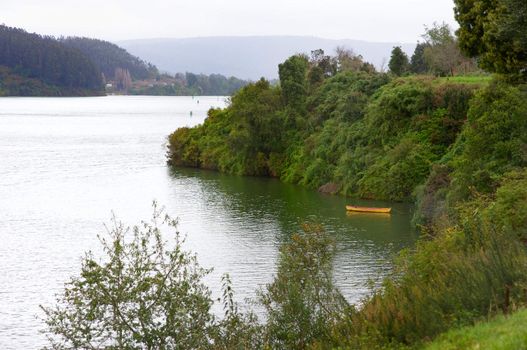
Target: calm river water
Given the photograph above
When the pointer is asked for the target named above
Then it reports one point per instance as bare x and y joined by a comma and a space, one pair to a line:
67, 163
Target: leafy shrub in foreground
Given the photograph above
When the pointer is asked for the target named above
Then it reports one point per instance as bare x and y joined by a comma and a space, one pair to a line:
303, 306
146, 294
458, 277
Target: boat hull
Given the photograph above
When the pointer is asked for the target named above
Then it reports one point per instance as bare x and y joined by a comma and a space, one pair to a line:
367, 209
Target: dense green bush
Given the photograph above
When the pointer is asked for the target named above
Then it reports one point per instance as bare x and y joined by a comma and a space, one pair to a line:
343, 97
241, 139
460, 276
304, 308
395, 175
373, 138
383, 146
182, 148
492, 143
509, 209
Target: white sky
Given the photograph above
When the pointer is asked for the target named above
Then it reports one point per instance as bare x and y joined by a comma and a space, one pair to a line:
371, 20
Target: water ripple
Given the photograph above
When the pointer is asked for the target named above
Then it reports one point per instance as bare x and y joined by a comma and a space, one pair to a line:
67, 163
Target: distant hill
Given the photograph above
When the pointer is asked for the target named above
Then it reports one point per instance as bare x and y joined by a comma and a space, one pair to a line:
109, 57
41, 65
248, 57
129, 74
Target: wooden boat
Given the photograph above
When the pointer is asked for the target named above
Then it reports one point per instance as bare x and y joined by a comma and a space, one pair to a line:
368, 210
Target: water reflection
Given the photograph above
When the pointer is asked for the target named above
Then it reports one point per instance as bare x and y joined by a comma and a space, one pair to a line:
259, 214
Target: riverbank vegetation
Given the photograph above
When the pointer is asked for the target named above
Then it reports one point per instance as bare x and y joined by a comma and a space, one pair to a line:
454, 145
501, 333
372, 135
146, 291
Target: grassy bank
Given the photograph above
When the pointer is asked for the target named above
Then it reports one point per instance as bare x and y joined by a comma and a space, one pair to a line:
470, 79
500, 333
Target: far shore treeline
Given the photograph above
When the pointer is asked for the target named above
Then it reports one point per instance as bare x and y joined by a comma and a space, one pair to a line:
37, 65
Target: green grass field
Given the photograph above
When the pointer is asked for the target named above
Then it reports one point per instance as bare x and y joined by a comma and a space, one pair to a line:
467, 79
501, 333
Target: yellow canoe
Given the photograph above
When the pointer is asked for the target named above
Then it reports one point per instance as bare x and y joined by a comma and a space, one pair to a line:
368, 210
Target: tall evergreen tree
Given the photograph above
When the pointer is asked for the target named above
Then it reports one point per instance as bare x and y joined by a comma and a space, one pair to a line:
398, 62
293, 80
417, 62
495, 32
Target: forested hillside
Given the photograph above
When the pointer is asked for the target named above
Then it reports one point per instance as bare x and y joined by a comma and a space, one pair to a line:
109, 58
36, 65
130, 75
61, 70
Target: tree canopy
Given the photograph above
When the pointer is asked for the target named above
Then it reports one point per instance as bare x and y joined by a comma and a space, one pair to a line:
441, 53
418, 63
293, 73
495, 33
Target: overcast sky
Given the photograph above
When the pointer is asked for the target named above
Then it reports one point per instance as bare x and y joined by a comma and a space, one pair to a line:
372, 20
